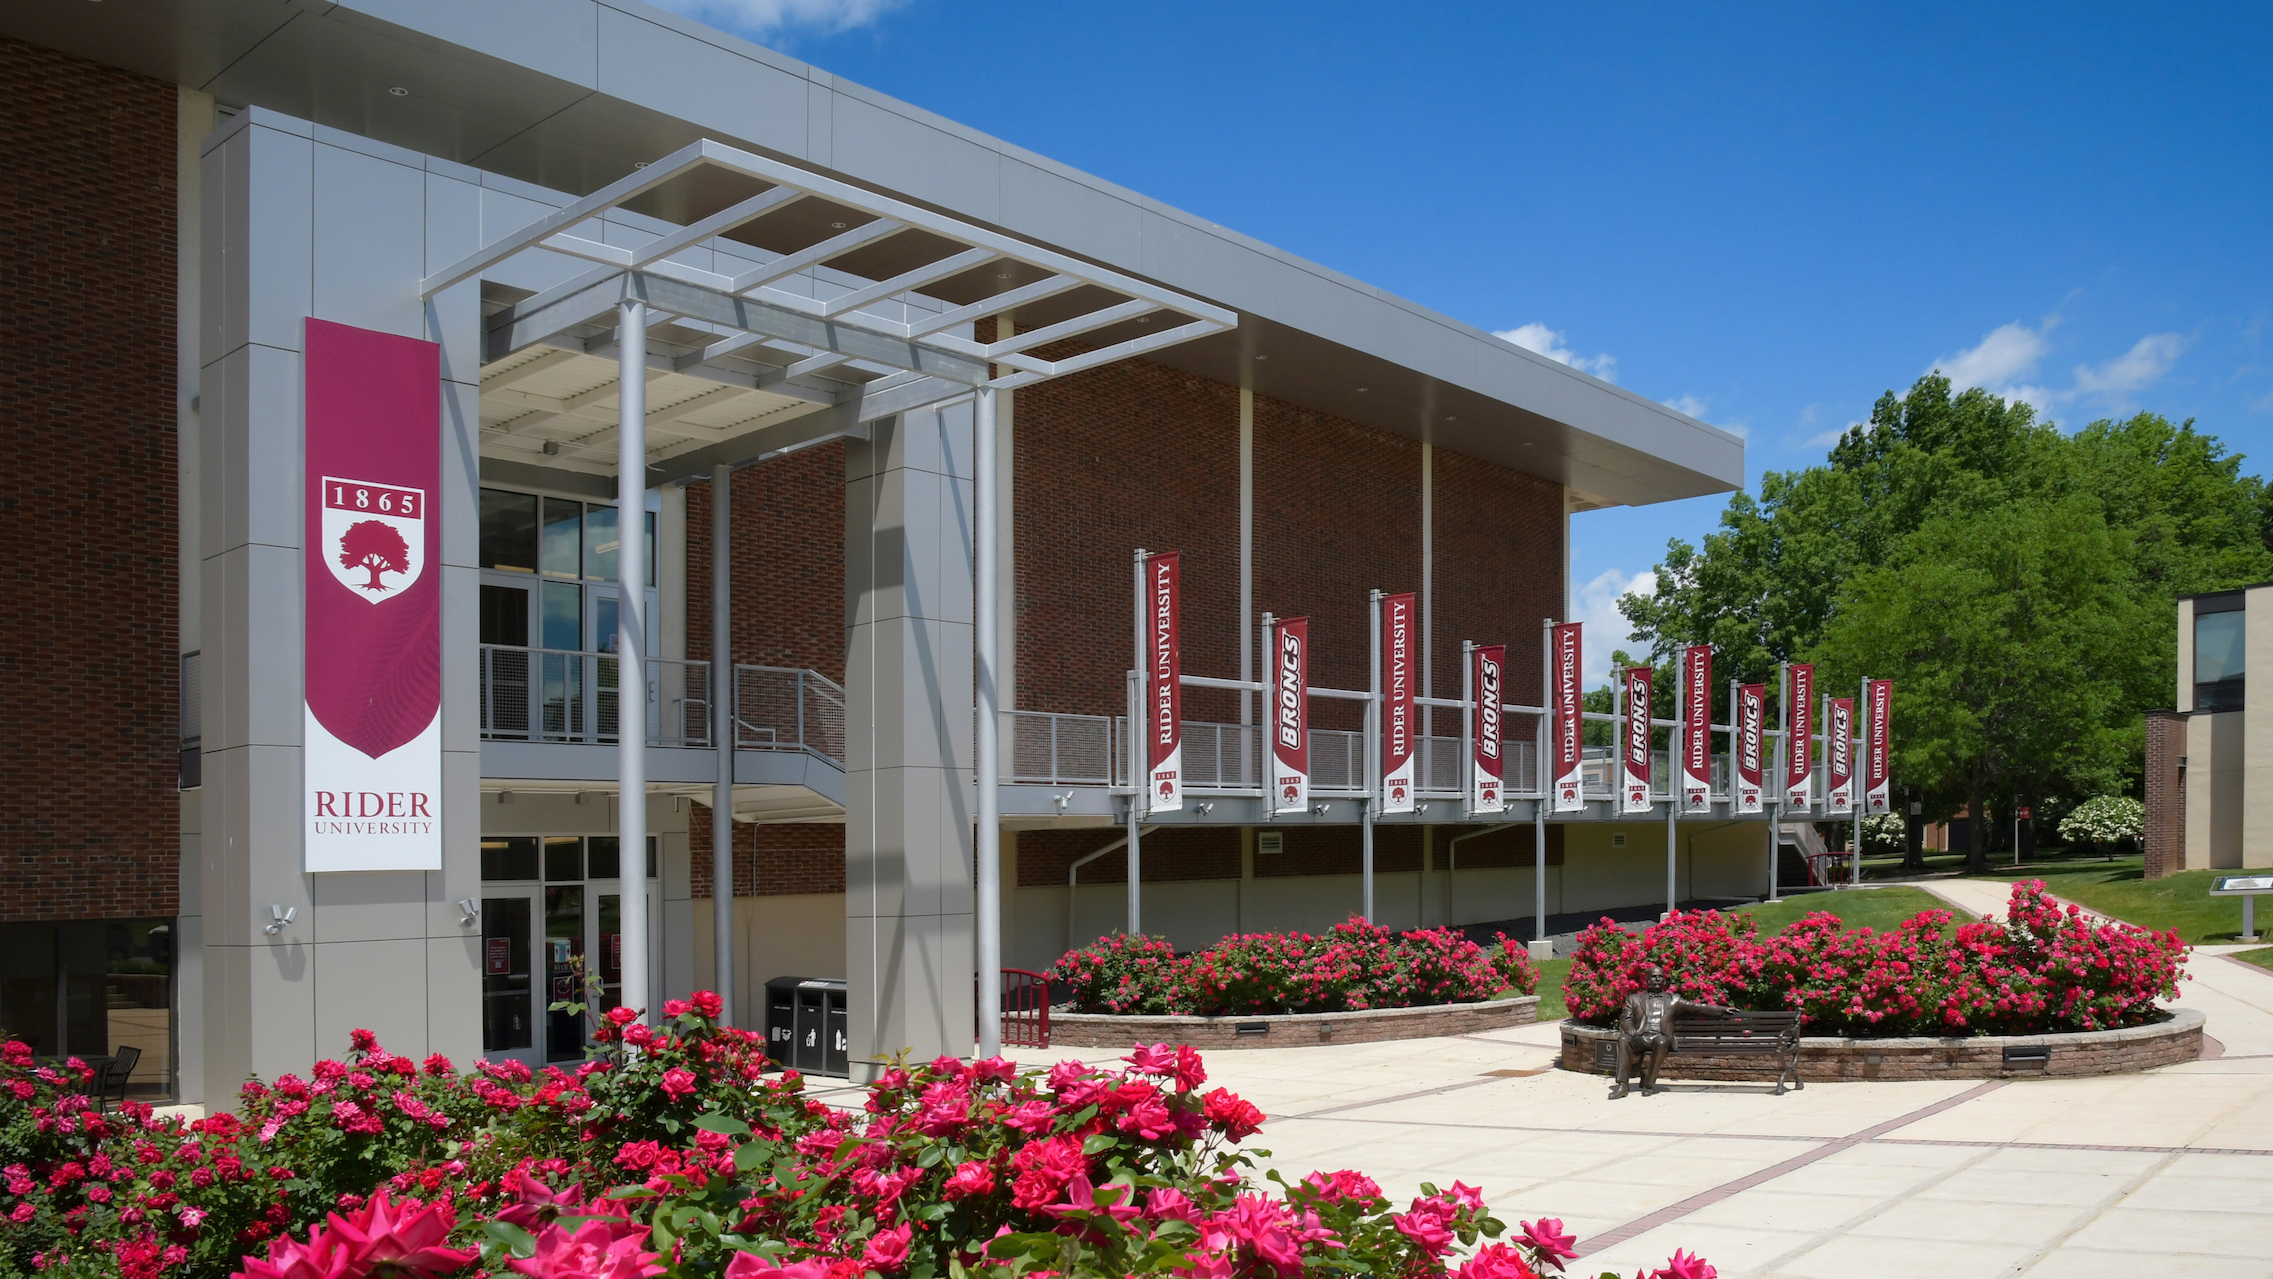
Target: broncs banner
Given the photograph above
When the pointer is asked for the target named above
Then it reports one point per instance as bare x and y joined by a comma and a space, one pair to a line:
1696, 768
1751, 744
1488, 768
1839, 756
1877, 797
1290, 715
1799, 755
371, 781
1634, 756
1398, 643
1567, 719
1164, 681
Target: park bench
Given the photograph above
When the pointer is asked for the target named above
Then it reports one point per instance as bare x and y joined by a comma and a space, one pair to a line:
1743, 1035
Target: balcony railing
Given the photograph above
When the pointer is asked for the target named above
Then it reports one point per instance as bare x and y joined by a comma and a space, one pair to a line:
558, 695
787, 708
1067, 750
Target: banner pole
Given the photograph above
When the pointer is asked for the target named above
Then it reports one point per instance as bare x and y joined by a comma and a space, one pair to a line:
1467, 728
722, 741
1783, 774
1140, 771
1372, 744
1266, 758
1546, 786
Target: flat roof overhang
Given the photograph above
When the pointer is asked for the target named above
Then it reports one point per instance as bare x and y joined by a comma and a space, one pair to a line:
576, 94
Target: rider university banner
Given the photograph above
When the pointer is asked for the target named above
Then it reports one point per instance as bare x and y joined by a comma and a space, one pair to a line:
1751, 744
371, 782
1696, 768
1634, 758
1879, 697
1398, 642
1799, 756
1488, 768
1839, 756
1163, 683
1290, 715
1567, 720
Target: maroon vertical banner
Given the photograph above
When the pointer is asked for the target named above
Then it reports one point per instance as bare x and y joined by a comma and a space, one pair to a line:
1751, 744
1877, 771
1568, 720
371, 780
1487, 791
1697, 728
1839, 756
1634, 754
1290, 715
1164, 681
1799, 753
1400, 642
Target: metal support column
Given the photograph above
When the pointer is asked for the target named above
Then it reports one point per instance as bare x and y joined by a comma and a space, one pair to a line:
722, 738
1545, 780
1672, 843
988, 921
631, 642
1140, 753
1372, 765
1861, 789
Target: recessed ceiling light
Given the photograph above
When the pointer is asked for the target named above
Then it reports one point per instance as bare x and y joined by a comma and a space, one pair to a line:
1361, 390
1262, 357
838, 225
1144, 319
399, 91
1002, 275
639, 164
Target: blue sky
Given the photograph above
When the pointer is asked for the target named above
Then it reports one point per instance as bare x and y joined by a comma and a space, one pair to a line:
1764, 215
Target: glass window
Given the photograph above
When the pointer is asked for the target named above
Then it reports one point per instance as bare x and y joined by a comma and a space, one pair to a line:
564, 617
509, 530
600, 542
563, 538
509, 857
101, 990
607, 865
2219, 642
505, 615
564, 858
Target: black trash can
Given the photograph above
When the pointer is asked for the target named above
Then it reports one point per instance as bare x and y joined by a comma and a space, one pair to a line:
805, 1024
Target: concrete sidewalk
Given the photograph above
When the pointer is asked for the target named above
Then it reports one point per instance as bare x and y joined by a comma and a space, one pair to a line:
2166, 1173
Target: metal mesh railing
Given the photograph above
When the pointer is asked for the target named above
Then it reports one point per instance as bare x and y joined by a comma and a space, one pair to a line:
1054, 749
1223, 756
558, 695
788, 708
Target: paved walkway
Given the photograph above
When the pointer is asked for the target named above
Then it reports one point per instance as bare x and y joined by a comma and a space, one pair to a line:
2164, 1173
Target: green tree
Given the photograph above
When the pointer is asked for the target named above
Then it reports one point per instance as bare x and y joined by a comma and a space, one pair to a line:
2007, 633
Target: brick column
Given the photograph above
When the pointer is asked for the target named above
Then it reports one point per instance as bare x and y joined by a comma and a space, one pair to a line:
2165, 836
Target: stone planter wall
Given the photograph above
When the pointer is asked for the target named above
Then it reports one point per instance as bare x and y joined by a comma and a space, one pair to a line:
2175, 1039
1291, 1030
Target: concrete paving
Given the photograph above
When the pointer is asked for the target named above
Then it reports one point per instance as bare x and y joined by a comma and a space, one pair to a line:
2169, 1172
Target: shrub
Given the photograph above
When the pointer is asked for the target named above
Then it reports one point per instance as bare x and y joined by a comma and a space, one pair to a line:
2105, 819
1884, 834
1357, 965
2040, 969
950, 1169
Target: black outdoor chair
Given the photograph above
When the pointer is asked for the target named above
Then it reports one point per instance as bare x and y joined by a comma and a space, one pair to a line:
112, 1085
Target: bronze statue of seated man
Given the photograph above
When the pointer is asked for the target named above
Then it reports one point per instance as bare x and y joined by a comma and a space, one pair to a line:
1645, 1029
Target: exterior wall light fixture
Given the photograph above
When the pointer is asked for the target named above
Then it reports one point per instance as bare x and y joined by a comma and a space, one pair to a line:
280, 918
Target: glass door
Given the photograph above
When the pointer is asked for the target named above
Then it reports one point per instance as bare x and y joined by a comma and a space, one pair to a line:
512, 988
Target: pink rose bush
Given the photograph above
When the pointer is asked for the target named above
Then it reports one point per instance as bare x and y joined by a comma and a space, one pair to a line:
2040, 969
688, 1158
1357, 965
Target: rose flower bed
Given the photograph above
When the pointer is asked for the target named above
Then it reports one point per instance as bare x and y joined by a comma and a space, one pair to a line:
2039, 970
675, 1152
1356, 966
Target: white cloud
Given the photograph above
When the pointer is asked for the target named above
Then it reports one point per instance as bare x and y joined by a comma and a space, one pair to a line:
2010, 351
767, 17
1596, 604
2147, 360
1825, 439
1550, 343
1692, 406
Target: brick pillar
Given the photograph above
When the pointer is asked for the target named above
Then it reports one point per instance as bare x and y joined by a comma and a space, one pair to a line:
2166, 793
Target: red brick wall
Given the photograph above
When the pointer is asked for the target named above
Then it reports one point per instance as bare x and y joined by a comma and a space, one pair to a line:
771, 860
788, 563
2166, 794
89, 697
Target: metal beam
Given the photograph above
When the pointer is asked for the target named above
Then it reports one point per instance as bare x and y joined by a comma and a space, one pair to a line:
600, 201
908, 281
789, 264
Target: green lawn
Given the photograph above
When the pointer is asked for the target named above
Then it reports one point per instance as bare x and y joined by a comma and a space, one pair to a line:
2119, 888
2262, 957
1880, 908
1551, 975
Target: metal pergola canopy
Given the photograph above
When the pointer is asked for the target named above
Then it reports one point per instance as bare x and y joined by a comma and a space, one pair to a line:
776, 293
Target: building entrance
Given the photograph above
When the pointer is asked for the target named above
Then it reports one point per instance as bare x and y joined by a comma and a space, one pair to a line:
552, 933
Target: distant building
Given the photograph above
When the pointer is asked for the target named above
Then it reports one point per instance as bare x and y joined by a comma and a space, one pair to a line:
2208, 761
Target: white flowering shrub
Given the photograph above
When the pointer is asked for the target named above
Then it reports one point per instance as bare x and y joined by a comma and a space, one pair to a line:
2105, 819
1882, 834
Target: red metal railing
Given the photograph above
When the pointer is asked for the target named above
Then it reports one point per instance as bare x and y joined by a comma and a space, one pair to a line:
1025, 1009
